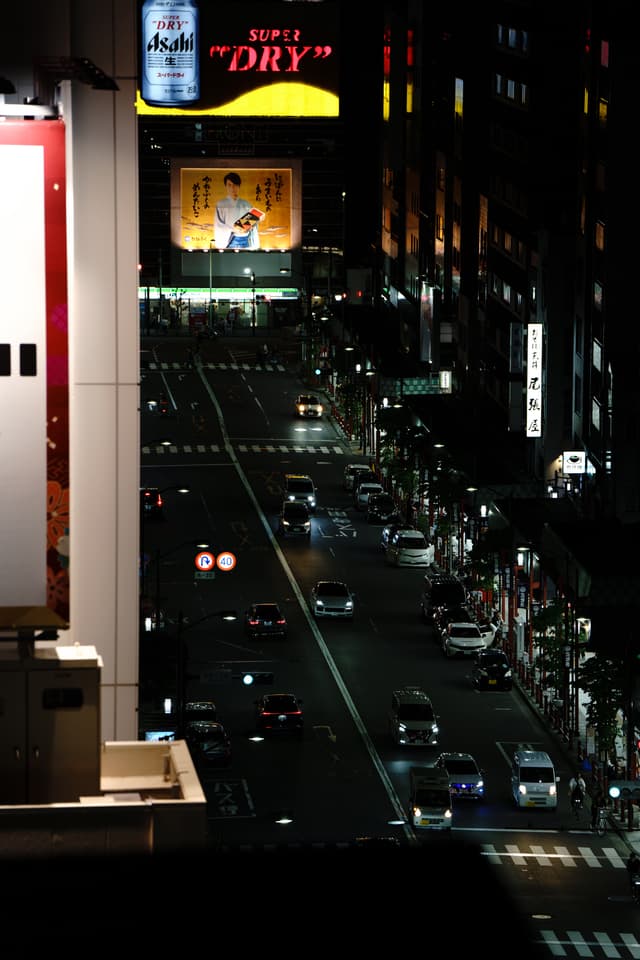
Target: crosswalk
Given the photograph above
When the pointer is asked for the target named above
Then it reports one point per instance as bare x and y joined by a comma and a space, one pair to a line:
597, 943
173, 449
553, 855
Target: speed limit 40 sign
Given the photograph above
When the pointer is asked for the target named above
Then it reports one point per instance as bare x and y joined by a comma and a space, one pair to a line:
226, 561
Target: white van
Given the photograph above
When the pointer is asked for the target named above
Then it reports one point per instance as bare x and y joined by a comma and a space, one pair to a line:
533, 780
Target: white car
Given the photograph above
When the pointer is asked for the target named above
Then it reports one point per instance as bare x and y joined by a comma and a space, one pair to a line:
361, 495
332, 598
462, 639
409, 548
308, 405
488, 630
466, 779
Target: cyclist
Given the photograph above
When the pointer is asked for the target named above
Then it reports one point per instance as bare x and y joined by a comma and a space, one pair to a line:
577, 791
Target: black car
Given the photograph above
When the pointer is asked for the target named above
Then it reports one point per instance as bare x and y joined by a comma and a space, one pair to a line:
151, 502
279, 711
208, 742
492, 671
381, 508
442, 617
294, 520
265, 620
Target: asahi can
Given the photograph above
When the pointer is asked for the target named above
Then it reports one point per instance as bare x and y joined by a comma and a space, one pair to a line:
170, 53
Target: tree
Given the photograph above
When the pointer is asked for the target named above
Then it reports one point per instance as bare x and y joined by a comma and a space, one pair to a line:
604, 680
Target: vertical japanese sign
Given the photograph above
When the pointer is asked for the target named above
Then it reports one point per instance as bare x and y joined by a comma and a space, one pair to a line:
534, 380
34, 379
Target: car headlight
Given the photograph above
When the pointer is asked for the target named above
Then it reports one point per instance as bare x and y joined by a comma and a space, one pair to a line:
285, 523
349, 605
402, 727
508, 674
522, 789
552, 790
291, 497
417, 812
319, 603
435, 728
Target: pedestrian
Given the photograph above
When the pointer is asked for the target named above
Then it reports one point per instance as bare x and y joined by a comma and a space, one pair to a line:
577, 790
190, 363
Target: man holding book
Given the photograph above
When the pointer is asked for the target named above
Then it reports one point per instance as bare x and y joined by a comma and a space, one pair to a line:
236, 219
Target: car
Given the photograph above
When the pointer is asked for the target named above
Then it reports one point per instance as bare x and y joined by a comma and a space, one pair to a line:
195, 710
466, 779
295, 519
389, 529
332, 598
309, 406
354, 473
441, 590
409, 548
208, 742
381, 508
264, 619
151, 502
443, 616
462, 639
300, 486
492, 671
363, 491
279, 711
412, 719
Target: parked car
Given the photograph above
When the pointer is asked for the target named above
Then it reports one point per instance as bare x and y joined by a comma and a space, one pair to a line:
197, 710
294, 520
409, 548
355, 473
208, 742
381, 508
492, 671
363, 491
278, 712
151, 503
389, 529
308, 405
466, 779
462, 639
441, 590
443, 616
300, 486
264, 620
332, 598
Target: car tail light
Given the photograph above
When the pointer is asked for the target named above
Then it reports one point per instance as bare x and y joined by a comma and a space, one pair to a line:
281, 622
253, 622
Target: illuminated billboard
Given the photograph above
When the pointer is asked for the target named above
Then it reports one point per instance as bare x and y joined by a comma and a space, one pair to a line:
253, 206
534, 380
34, 378
244, 60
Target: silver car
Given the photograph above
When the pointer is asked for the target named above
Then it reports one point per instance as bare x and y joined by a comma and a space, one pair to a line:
332, 598
466, 779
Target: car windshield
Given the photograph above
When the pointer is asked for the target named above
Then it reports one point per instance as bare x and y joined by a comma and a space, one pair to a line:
447, 595
308, 400
281, 703
412, 542
462, 630
494, 660
415, 711
300, 486
432, 798
460, 765
331, 588
267, 611
296, 510
537, 774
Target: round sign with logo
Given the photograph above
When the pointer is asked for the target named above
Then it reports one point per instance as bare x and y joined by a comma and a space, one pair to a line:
226, 561
205, 561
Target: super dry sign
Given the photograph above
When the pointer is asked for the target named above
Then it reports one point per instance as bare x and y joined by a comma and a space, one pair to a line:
265, 60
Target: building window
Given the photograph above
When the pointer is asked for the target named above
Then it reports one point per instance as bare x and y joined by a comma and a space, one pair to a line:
603, 110
599, 235
439, 227
596, 418
604, 53
596, 353
597, 295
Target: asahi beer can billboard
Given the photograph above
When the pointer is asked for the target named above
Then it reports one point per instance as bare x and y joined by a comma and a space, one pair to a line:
170, 53
250, 60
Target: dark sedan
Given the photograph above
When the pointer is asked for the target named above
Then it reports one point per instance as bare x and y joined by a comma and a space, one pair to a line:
492, 671
278, 712
265, 620
208, 742
382, 508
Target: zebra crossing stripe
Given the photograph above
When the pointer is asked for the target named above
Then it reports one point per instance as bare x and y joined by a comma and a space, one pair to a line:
567, 859
631, 943
613, 857
589, 857
541, 857
516, 855
578, 941
608, 947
